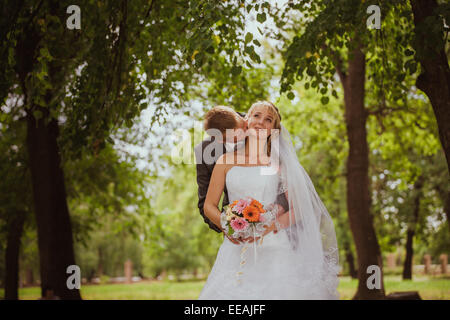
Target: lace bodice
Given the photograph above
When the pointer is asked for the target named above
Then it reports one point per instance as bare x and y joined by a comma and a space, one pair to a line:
250, 181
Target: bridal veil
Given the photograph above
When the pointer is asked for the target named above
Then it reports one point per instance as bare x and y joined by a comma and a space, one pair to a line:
313, 247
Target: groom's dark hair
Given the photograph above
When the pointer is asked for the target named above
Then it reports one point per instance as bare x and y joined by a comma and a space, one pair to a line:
221, 118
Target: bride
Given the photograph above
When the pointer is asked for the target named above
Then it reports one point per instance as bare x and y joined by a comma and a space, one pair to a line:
297, 256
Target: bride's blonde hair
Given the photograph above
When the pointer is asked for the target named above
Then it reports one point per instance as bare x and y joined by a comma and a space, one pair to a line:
273, 110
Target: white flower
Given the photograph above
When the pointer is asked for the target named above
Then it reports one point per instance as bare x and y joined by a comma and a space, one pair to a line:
230, 214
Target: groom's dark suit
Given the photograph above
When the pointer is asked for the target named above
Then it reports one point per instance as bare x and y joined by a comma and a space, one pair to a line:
204, 173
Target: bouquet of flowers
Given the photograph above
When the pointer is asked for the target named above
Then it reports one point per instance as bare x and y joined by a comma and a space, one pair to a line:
246, 218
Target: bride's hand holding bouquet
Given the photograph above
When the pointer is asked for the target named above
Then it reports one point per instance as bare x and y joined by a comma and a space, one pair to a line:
247, 218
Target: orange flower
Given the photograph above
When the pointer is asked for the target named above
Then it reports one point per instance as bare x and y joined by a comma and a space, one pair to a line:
234, 203
258, 205
251, 213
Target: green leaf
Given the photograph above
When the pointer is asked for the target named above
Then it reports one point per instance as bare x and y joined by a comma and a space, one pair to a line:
411, 65
291, 95
409, 52
401, 77
11, 55
45, 54
413, 68
230, 230
261, 17
248, 50
257, 43
255, 57
324, 100
3, 117
235, 71
248, 37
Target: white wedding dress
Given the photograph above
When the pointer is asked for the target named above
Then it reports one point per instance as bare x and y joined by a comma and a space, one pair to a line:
258, 271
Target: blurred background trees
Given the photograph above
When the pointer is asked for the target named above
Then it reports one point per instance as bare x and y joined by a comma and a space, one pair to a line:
89, 119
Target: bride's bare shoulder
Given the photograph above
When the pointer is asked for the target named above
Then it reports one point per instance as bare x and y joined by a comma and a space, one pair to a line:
226, 158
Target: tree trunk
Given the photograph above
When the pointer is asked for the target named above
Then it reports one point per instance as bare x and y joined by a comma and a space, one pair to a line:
15, 229
407, 266
52, 215
351, 264
435, 77
358, 197
447, 209
29, 277
446, 199
100, 262
444, 195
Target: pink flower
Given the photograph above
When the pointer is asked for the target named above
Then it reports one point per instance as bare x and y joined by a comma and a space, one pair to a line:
239, 224
261, 218
241, 205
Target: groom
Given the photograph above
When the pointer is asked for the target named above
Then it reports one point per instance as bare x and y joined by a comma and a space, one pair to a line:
220, 118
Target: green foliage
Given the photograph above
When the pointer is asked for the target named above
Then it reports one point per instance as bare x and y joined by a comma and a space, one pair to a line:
178, 240
318, 132
170, 54
107, 250
322, 41
396, 163
102, 186
441, 243
126, 55
15, 189
233, 69
401, 127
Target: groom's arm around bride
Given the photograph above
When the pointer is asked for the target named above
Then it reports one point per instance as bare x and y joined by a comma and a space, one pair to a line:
219, 118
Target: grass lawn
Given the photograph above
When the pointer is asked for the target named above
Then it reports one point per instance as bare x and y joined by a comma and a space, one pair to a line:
429, 288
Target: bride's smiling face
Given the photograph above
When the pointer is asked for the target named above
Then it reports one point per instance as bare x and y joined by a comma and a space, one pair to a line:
260, 122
